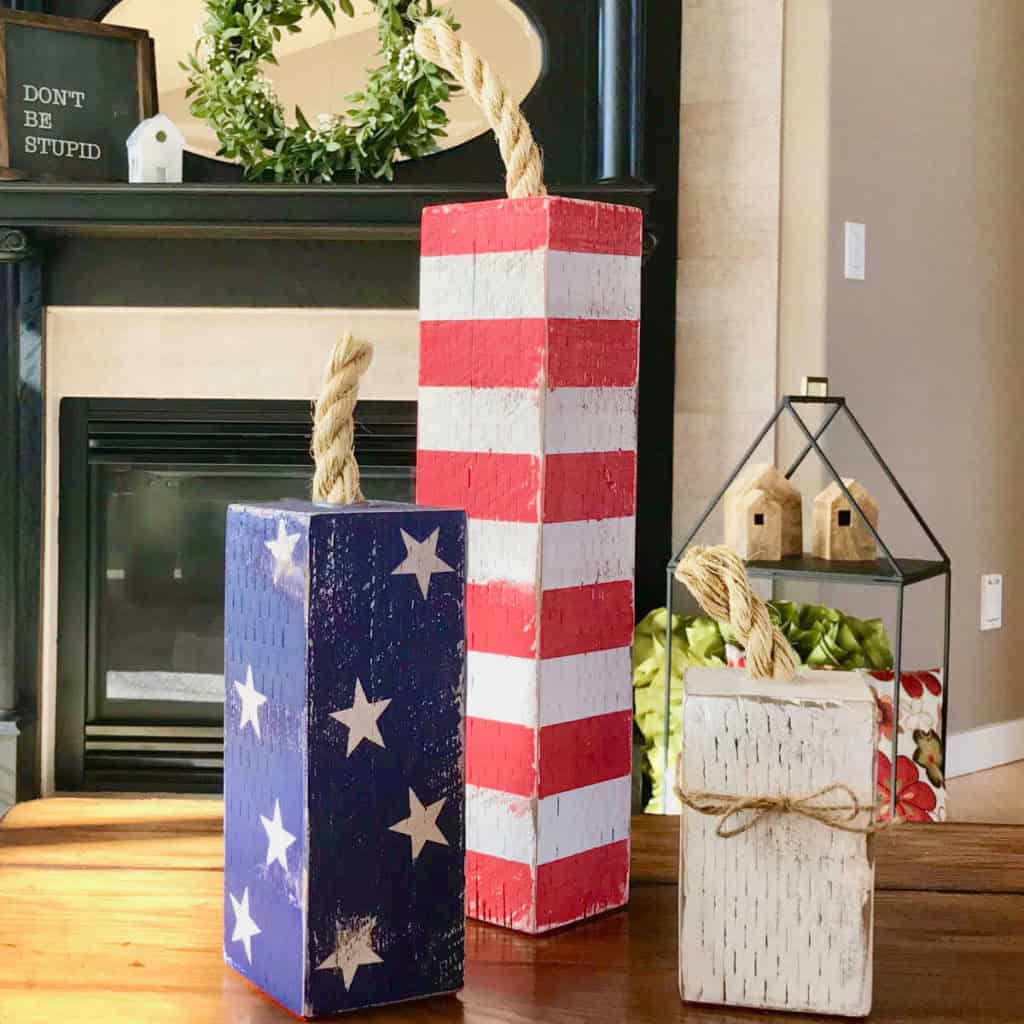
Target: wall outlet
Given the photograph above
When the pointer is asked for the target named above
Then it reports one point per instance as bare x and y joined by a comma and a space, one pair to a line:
992, 601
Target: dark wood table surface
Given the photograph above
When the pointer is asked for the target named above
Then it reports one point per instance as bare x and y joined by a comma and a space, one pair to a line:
110, 911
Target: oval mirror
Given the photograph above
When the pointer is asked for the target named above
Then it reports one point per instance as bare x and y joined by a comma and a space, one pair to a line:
323, 64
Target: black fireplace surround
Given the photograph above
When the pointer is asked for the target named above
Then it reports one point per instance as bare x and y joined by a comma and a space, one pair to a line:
144, 488
606, 111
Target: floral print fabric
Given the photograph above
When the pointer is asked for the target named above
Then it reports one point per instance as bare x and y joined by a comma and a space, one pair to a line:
920, 778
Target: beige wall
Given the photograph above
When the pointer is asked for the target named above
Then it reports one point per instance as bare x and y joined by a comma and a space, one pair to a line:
910, 118
927, 148
728, 240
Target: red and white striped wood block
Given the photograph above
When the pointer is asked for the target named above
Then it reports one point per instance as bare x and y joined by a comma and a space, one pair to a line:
529, 334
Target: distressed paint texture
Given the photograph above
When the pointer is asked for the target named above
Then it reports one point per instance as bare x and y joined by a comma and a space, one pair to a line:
318, 770
528, 370
781, 916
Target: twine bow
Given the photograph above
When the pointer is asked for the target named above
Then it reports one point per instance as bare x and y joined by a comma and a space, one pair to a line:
839, 814
337, 473
718, 581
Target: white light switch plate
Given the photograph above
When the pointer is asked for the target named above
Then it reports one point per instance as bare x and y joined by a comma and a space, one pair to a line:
992, 601
854, 249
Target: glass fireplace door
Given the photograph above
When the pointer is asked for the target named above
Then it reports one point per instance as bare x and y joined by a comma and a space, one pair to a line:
145, 488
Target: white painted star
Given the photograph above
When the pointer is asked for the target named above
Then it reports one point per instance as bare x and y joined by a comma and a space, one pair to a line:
421, 560
245, 927
361, 719
252, 701
283, 548
353, 948
421, 825
278, 837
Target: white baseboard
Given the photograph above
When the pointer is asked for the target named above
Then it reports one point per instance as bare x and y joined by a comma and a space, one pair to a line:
974, 750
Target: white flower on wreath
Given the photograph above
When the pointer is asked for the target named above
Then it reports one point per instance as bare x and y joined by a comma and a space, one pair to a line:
914, 716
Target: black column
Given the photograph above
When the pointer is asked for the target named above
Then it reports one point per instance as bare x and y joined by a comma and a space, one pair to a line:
20, 495
620, 89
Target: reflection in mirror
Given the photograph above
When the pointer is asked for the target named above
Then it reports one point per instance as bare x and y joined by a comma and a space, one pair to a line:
323, 64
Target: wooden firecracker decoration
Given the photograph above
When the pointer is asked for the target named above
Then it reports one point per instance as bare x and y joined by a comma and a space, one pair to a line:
777, 781
529, 333
840, 534
343, 747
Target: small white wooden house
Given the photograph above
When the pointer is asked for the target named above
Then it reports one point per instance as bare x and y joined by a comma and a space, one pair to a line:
155, 150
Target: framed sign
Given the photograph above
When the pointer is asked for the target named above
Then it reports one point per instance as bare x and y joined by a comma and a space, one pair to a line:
70, 94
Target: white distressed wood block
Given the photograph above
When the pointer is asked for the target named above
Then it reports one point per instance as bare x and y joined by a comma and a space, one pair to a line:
781, 916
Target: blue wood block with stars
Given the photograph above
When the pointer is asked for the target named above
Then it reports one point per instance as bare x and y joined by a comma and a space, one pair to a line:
344, 881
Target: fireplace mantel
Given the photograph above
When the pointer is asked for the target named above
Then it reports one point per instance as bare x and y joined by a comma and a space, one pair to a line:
296, 212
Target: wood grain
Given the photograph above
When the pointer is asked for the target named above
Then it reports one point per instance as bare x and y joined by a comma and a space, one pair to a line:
97, 934
949, 857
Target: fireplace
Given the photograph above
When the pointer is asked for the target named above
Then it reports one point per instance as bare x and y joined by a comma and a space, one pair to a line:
144, 487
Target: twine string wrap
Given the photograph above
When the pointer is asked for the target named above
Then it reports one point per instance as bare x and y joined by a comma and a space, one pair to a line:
840, 814
336, 479
437, 43
717, 579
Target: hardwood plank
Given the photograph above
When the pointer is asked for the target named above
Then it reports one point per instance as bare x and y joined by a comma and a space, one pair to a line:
949, 857
107, 930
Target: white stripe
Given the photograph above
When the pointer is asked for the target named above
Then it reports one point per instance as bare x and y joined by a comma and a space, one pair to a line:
503, 825
528, 691
500, 824
590, 420
590, 551
573, 554
538, 283
509, 420
480, 420
502, 689
584, 685
583, 819
502, 551
593, 286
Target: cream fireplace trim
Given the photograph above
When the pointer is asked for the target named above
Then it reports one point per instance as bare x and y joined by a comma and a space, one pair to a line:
136, 352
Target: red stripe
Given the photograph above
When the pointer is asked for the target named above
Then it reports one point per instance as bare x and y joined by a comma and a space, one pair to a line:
582, 885
510, 353
502, 756
588, 485
487, 485
577, 620
592, 353
584, 752
482, 353
499, 891
502, 225
501, 618
514, 225
578, 226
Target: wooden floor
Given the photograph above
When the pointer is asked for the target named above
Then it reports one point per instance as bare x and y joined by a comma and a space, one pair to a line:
996, 795
110, 911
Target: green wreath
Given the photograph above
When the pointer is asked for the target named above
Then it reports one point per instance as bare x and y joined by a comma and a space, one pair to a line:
399, 111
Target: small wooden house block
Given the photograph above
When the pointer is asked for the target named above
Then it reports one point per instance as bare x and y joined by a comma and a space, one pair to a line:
343, 752
839, 533
764, 516
529, 333
780, 916
155, 151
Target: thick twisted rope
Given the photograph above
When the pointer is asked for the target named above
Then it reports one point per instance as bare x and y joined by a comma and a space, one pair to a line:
337, 473
524, 167
717, 579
